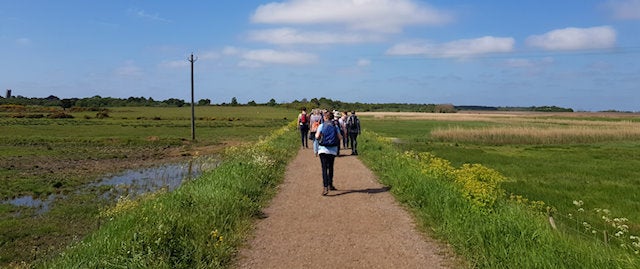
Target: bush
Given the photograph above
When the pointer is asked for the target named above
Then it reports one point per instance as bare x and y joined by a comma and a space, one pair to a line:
59, 115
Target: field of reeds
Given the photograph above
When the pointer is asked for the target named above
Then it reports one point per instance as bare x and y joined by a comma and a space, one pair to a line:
574, 172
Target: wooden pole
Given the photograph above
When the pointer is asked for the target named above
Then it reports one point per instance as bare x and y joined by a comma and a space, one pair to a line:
193, 114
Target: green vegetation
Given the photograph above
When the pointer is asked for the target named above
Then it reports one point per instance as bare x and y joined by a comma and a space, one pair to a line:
580, 166
43, 156
493, 233
199, 225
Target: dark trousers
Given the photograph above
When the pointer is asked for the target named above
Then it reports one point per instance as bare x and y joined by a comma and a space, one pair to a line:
345, 140
353, 139
304, 132
327, 161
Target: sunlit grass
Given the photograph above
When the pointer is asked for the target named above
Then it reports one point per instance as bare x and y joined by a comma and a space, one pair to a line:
572, 133
199, 225
514, 234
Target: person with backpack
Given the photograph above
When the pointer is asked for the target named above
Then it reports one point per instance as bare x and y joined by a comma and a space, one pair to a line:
303, 123
328, 137
353, 128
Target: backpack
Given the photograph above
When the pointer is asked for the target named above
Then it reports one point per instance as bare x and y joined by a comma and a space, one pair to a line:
303, 118
329, 136
314, 126
352, 124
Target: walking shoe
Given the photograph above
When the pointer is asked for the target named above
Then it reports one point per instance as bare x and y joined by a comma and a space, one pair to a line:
325, 191
332, 188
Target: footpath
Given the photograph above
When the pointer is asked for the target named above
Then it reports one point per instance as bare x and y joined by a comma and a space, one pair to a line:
358, 226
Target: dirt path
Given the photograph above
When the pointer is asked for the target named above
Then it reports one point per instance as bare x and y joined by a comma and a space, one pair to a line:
358, 226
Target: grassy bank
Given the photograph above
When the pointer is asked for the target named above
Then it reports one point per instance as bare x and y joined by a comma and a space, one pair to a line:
59, 159
555, 158
489, 230
199, 225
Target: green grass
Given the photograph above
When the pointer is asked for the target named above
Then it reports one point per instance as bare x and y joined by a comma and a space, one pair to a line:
199, 225
42, 156
603, 174
510, 235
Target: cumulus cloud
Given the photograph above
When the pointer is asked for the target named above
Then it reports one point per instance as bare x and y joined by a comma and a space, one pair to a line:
279, 57
456, 49
624, 9
289, 36
383, 16
575, 38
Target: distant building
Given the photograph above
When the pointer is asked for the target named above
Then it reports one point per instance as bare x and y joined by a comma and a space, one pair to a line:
8, 93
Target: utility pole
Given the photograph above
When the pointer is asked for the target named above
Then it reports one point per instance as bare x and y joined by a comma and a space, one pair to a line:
193, 113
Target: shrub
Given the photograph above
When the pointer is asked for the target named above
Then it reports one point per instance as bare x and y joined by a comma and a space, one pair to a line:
59, 115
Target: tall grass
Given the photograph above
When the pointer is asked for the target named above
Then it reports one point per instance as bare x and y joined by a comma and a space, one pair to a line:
199, 225
528, 135
510, 235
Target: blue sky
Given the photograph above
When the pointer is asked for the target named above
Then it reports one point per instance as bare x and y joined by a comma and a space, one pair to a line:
582, 54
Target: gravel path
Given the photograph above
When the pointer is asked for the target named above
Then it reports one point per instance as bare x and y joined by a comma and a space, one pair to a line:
358, 226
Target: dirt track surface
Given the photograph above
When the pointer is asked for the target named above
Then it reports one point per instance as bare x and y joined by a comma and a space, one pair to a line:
358, 226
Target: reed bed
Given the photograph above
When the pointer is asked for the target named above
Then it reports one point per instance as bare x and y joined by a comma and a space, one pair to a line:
553, 132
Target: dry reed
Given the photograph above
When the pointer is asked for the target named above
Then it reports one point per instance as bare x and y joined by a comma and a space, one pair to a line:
580, 134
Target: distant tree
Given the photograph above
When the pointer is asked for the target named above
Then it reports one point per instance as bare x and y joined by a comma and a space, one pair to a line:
204, 102
68, 103
174, 102
315, 102
252, 103
234, 101
445, 108
272, 102
52, 98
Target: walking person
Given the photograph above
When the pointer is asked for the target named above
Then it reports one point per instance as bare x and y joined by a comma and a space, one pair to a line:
343, 127
314, 121
329, 138
303, 124
353, 128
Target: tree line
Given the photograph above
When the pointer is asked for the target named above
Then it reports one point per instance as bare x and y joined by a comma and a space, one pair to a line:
322, 102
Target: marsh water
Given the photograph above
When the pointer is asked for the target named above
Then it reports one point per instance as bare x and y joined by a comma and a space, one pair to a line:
131, 183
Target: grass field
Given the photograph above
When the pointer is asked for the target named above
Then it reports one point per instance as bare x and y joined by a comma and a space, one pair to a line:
41, 156
575, 163
554, 158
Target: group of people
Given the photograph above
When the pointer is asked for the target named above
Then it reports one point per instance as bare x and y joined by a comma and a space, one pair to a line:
329, 131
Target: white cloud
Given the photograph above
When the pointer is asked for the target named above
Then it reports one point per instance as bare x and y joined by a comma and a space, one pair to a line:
289, 36
208, 55
383, 16
575, 38
144, 15
456, 49
177, 64
229, 50
128, 69
279, 57
364, 62
624, 9
528, 63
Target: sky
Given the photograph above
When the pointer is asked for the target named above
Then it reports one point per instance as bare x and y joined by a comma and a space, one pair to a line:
580, 54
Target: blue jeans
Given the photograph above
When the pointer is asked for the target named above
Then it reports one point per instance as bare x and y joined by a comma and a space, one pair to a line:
327, 161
